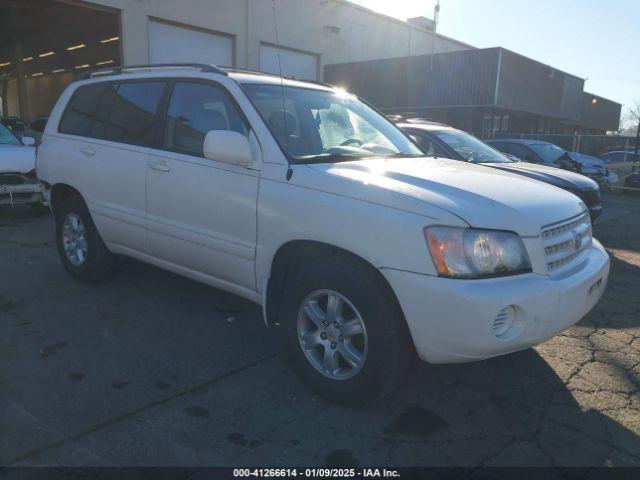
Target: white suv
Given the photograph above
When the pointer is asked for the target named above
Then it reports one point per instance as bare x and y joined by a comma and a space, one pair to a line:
305, 200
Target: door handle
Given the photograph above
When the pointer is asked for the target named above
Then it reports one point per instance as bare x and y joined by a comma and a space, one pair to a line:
160, 167
88, 151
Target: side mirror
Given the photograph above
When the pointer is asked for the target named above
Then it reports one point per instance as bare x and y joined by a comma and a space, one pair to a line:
28, 141
227, 147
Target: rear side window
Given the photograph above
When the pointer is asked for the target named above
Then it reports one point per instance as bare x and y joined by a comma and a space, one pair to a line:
133, 113
81, 111
194, 110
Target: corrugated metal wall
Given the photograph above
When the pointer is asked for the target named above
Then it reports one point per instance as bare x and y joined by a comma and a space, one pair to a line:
602, 115
465, 78
491, 77
530, 86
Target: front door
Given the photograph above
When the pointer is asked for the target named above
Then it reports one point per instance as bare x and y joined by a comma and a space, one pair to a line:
202, 213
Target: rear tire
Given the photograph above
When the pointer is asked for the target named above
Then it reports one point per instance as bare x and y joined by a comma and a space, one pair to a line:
82, 251
384, 346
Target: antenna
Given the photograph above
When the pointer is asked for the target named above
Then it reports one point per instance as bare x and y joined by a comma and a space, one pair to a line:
284, 116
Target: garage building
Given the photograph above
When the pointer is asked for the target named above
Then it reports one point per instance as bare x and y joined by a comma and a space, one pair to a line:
45, 44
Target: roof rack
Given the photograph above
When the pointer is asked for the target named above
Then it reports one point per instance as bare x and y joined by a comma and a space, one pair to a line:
288, 77
254, 72
128, 68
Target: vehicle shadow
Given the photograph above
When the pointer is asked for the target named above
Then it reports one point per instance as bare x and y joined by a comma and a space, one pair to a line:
620, 305
17, 215
510, 411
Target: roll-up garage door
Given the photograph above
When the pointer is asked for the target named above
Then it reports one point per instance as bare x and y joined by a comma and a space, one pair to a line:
170, 43
298, 64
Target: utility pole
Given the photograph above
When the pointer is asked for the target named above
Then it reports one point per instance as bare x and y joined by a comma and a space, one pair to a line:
436, 14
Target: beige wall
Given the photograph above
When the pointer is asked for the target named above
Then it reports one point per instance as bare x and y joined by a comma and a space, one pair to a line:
308, 25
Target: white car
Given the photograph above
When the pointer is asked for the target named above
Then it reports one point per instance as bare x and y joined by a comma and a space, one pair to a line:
18, 182
303, 199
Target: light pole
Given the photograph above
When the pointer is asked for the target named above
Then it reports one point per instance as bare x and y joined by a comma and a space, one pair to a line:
436, 14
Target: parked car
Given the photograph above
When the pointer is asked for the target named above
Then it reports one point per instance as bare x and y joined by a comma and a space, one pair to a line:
36, 127
626, 167
303, 199
545, 153
445, 141
18, 182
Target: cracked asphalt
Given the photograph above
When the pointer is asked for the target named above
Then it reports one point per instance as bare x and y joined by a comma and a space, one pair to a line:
153, 369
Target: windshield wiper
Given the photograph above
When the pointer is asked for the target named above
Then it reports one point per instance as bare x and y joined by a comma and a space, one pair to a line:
334, 158
347, 157
402, 155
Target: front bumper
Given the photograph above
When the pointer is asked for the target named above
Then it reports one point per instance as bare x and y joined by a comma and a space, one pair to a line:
452, 320
22, 194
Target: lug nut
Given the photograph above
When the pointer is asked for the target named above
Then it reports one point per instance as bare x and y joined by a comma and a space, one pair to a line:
333, 345
323, 336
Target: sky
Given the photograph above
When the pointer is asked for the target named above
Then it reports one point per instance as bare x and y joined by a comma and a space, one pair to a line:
596, 40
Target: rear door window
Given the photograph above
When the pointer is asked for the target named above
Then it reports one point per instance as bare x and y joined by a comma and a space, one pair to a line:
82, 110
133, 113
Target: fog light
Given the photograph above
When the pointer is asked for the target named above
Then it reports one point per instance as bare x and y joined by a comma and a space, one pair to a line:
503, 321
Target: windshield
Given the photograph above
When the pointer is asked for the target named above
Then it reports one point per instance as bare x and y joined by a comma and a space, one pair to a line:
7, 138
324, 126
548, 151
470, 148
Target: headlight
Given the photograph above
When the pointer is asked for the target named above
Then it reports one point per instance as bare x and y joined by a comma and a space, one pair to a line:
472, 253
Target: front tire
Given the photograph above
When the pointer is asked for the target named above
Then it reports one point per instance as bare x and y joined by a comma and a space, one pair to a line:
345, 333
82, 251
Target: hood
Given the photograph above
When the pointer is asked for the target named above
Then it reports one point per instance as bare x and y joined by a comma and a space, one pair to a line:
587, 160
483, 197
551, 175
17, 159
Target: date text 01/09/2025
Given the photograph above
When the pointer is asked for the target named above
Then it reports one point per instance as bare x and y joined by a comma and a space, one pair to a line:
316, 473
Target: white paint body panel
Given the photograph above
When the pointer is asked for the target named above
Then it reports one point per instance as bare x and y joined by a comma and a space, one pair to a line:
17, 159
223, 224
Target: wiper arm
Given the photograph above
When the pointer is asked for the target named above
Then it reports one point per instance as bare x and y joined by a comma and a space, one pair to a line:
333, 158
401, 155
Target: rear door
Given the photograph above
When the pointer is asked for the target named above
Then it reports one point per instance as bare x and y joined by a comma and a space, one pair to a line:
202, 213
114, 125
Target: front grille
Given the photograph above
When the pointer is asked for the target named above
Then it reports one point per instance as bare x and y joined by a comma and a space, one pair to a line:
564, 241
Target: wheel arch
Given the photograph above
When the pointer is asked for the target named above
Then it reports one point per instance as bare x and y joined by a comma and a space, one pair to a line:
61, 192
292, 255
